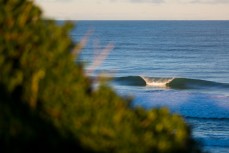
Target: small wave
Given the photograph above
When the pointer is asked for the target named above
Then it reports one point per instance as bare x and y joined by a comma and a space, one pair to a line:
174, 83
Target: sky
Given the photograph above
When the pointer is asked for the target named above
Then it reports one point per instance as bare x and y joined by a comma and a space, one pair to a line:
135, 9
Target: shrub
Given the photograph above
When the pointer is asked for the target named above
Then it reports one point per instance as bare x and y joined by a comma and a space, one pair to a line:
46, 100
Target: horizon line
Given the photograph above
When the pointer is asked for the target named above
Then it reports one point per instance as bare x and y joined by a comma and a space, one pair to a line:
142, 19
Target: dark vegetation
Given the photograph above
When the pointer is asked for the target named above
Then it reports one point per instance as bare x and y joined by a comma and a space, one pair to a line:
47, 104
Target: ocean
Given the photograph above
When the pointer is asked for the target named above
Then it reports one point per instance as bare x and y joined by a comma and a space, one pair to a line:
182, 65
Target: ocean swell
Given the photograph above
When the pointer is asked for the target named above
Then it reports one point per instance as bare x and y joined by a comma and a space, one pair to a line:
174, 83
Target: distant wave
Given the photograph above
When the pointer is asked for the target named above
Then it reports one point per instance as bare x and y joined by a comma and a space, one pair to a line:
207, 118
174, 83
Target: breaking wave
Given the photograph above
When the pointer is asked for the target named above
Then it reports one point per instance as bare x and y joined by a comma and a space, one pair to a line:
175, 83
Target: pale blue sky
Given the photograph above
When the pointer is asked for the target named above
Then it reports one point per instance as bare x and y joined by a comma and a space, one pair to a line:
136, 9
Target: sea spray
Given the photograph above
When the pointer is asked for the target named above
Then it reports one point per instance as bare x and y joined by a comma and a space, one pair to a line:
157, 82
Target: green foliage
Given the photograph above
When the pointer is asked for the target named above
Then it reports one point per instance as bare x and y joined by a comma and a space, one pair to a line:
46, 101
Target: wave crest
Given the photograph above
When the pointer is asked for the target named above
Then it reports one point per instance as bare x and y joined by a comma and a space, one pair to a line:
157, 82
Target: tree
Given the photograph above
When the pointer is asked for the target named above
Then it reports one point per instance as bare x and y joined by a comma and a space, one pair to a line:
47, 102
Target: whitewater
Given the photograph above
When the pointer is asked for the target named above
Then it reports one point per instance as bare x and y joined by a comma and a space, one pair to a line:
182, 65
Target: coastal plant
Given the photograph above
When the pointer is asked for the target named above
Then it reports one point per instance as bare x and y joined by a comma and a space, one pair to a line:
47, 103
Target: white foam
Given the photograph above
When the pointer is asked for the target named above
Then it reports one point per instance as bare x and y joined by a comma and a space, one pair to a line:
157, 82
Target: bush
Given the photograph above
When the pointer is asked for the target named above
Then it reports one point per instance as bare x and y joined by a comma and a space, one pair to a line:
46, 101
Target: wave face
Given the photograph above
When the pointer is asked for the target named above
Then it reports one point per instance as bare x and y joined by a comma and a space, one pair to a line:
130, 81
186, 83
174, 83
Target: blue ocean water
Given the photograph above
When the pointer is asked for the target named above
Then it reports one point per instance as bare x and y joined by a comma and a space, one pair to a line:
183, 65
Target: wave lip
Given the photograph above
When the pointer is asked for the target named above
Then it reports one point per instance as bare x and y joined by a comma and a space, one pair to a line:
174, 83
143, 81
